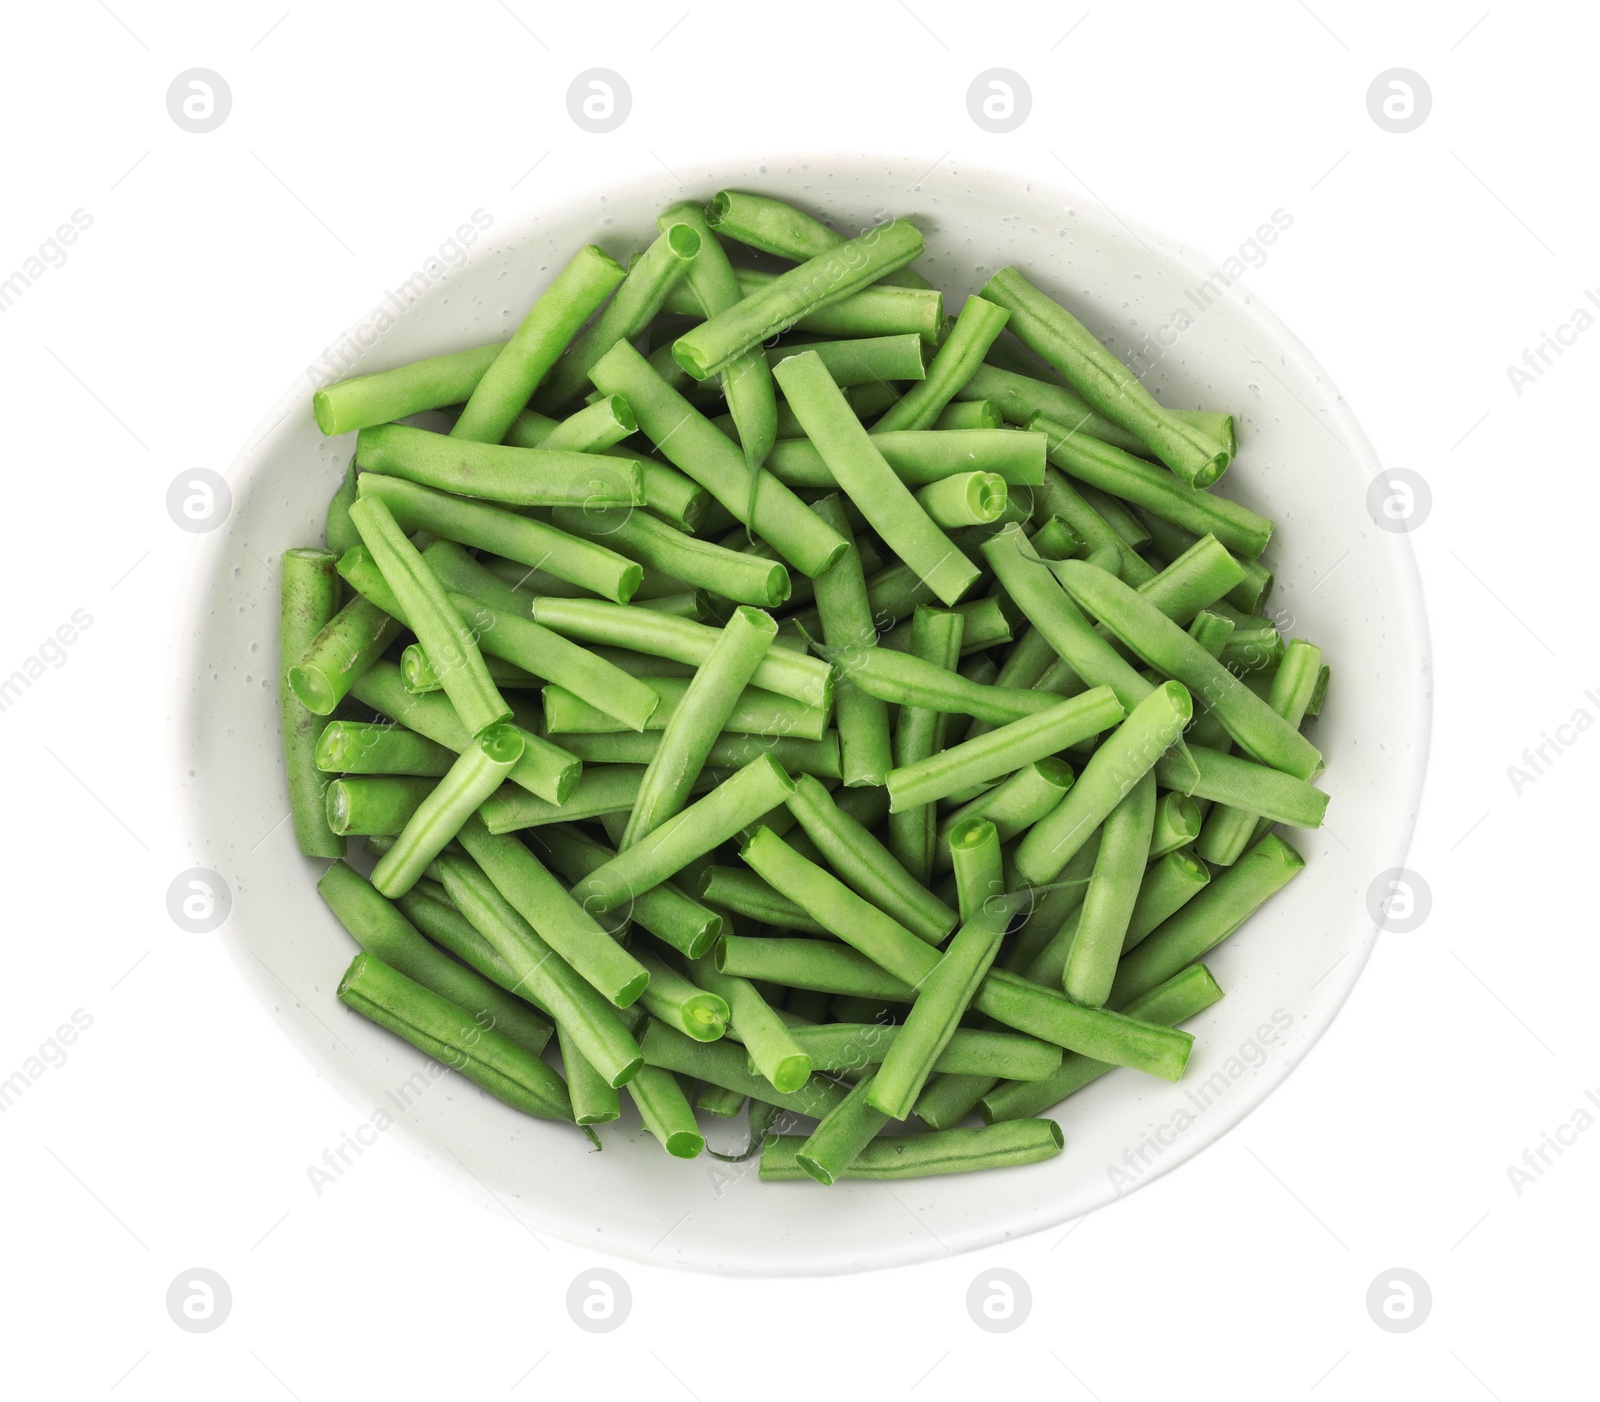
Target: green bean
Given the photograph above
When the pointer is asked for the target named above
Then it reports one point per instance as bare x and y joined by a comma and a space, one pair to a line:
984, 624
471, 779
729, 750
428, 906
966, 499
545, 770
665, 1111
1228, 829
1319, 691
673, 917
383, 931
780, 229
753, 790
592, 429
447, 1033
550, 982
745, 893
943, 997
877, 310
1168, 885
1185, 995
724, 1104
460, 573
746, 579
340, 654
965, 413
722, 1063
1019, 395
922, 457
906, 679
338, 533
558, 920
818, 282
924, 1155
841, 1135
681, 1003
593, 1100
686, 742
869, 481
755, 712
1202, 924
1122, 759
1055, 497
420, 677
974, 847
953, 365
1129, 530
1163, 645
1211, 630
521, 538
1196, 580
694, 444
1108, 903
804, 678
1144, 484
773, 1051
309, 602
638, 298
845, 1046
1057, 337
1013, 805
866, 361
362, 747
920, 730
1177, 824
601, 790
495, 472
1007, 749
1172, 541
824, 966
382, 806
747, 382
1268, 793
537, 344
396, 394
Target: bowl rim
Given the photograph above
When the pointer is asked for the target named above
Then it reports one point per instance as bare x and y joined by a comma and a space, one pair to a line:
577, 202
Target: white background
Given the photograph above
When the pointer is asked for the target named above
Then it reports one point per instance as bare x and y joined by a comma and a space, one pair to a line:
1418, 267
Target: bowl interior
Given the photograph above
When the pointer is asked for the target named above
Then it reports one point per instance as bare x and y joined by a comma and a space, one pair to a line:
1341, 582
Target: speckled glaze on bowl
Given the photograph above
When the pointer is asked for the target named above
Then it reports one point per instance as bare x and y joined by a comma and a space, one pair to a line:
1342, 582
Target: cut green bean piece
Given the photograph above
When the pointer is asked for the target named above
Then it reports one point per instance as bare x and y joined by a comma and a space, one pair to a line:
920, 730
953, 365
1019, 395
1184, 995
923, 457
497, 472
755, 712
926, 1155
724, 1104
1006, 749
558, 920
1056, 497
594, 1101
592, 429
869, 481
341, 653
967, 499
756, 789
374, 807
774, 1052
877, 310
845, 1046
866, 361
421, 678
1057, 337
309, 601
1108, 903
1171, 541
475, 775
1161, 644
820, 281
722, 1063
337, 531
638, 298
824, 966
907, 679
666, 1112
729, 750
387, 395
1177, 824
745, 893
974, 848
780, 229
542, 975
1012, 806
1144, 484
451, 1035
943, 997
1168, 886
788, 673
1202, 924
1268, 793
517, 537
841, 1135
600, 791
691, 442
381, 929
537, 344
867, 865
364, 747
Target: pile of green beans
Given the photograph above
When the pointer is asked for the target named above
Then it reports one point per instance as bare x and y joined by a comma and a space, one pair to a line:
833, 711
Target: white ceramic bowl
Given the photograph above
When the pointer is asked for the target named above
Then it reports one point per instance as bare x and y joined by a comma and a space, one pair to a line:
1342, 582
